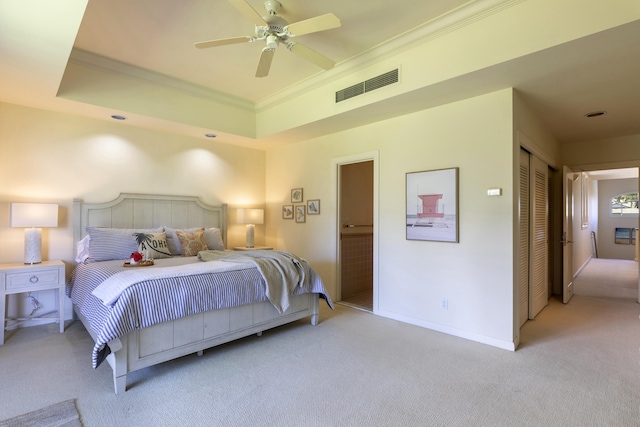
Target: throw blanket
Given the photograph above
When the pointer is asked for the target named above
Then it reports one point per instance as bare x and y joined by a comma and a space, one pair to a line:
282, 271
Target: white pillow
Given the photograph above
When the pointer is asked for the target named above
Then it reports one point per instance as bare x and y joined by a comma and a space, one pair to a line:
82, 251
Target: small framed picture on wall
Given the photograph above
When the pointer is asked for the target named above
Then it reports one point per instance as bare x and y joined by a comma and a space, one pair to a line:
287, 212
313, 207
300, 213
296, 195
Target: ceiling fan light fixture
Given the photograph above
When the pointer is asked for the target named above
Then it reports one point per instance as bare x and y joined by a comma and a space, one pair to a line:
595, 114
272, 41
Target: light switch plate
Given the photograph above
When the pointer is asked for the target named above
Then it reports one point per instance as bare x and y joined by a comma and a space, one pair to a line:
494, 192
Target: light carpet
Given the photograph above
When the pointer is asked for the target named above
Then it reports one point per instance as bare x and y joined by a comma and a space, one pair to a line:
63, 414
577, 365
611, 278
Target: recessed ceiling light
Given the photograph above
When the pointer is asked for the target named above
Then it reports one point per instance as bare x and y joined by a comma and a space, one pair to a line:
118, 117
210, 135
595, 114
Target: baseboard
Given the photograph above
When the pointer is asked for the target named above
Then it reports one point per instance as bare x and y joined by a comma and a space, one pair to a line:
581, 268
483, 339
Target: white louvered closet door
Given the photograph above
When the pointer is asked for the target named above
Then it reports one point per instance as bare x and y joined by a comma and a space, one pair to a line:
523, 214
538, 257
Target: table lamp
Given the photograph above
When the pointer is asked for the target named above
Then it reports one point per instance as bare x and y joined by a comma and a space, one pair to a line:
33, 216
250, 217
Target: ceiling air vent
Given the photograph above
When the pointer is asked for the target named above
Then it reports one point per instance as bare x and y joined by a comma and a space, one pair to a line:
368, 85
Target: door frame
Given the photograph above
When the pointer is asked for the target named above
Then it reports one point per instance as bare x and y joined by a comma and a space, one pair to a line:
568, 176
335, 185
607, 166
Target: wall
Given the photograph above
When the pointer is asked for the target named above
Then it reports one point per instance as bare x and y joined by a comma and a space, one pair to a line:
51, 157
607, 153
475, 275
607, 248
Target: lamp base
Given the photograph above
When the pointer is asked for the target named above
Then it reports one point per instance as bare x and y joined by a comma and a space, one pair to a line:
250, 235
33, 246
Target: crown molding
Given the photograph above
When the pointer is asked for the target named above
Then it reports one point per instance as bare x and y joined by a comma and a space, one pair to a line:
91, 60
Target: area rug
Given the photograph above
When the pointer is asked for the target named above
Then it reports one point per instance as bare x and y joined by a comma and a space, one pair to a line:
63, 414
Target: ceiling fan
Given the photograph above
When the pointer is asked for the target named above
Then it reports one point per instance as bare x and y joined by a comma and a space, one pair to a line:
274, 30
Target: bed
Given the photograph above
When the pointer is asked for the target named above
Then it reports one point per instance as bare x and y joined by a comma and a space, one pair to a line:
140, 317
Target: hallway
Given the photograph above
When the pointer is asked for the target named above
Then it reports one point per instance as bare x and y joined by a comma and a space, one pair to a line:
610, 278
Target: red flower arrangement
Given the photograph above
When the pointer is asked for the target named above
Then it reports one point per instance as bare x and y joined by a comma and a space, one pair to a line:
136, 256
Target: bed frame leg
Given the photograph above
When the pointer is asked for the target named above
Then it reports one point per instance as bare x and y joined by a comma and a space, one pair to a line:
315, 316
259, 334
120, 384
199, 353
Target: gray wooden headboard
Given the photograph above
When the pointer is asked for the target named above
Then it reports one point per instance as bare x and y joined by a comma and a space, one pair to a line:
147, 211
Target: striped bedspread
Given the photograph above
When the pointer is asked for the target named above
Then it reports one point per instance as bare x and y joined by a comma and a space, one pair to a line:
158, 300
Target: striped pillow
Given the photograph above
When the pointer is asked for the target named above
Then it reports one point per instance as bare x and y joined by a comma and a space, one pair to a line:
114, 243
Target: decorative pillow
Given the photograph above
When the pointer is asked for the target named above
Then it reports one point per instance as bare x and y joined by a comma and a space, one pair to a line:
212, 236
172, 239
192, 243
153, 245
114, 243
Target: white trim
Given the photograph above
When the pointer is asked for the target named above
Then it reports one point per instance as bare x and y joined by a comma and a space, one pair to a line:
91, 60
506, 345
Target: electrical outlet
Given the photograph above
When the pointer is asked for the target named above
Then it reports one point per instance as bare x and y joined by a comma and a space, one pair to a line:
444, 304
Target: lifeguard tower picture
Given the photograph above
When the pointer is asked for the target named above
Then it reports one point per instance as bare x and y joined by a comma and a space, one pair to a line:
432, 205
429, 210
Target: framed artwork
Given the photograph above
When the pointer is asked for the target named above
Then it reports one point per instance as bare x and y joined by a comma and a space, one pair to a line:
300, 213
296, 195
623, 236
313, 207
432, 205
287, 212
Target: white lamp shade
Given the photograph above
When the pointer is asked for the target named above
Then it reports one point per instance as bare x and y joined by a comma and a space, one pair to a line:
34, 215
250, 216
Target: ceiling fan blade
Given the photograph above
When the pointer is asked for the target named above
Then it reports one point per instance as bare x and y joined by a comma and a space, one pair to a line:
312, 25
249, 12
265, 62
311, 55
222, 42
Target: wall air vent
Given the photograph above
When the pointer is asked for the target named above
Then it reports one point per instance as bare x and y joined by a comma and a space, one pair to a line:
368, 85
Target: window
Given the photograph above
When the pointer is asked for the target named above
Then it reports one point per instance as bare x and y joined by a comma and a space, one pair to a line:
624, 204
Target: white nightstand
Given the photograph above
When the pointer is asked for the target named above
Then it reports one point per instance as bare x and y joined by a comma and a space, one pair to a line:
20, 278
255, 248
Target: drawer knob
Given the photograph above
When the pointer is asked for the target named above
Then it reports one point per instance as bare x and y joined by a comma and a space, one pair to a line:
33, 279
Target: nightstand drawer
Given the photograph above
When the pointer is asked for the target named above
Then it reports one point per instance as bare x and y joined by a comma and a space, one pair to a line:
32, 280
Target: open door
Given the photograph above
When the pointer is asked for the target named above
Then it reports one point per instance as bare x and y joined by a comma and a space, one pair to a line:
567, 235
